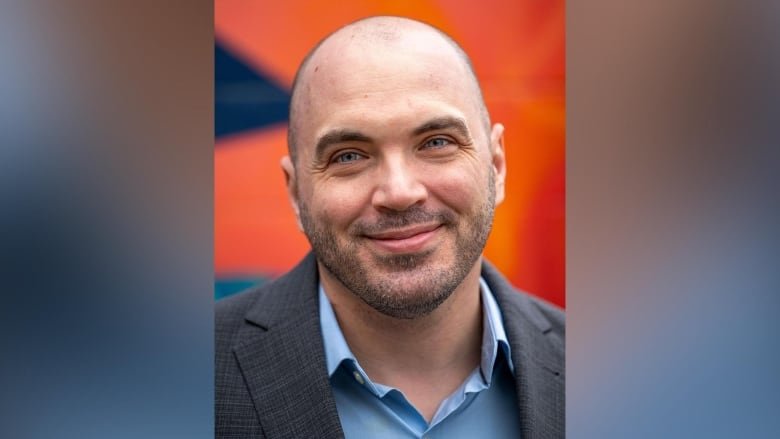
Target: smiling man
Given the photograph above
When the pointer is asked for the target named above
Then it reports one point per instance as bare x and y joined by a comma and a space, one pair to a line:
394, 326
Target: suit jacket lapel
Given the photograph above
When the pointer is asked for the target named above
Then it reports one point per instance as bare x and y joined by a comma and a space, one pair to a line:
282, 359
537, 357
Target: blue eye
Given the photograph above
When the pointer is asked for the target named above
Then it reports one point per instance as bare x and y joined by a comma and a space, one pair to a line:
347, 157
437, 142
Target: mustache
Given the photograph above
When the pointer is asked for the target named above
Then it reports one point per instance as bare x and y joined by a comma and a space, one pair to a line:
398, 219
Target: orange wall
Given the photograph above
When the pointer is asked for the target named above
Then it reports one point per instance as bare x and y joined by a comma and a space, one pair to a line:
517, 48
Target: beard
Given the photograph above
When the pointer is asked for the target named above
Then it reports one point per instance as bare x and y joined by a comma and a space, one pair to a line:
403, 286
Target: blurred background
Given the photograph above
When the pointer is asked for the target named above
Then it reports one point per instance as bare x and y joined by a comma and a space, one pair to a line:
518, 51
107, 246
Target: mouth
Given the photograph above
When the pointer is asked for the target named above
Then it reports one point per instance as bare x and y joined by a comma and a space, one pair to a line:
407, 240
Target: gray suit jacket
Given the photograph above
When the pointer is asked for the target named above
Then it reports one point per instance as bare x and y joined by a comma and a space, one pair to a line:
271, 380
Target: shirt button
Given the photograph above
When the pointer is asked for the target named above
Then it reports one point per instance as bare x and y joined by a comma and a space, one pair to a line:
358, 378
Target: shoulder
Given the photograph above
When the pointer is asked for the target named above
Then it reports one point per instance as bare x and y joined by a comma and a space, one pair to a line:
230, 313
519, 307
552, 313
262, 305
252, 332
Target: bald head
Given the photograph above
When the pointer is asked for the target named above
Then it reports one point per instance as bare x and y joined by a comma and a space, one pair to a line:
375, 37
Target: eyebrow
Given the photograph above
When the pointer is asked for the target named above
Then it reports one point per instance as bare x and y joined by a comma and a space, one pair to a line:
337, 136
444, 123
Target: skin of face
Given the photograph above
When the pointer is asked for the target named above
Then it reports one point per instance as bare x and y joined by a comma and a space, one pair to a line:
397, 173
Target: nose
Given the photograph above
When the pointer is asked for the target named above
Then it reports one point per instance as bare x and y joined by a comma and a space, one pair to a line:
399, 186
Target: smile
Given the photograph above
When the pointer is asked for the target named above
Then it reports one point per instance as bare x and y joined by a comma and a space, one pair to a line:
408, 240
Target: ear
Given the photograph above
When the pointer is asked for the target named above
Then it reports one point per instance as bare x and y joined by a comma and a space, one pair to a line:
292, 187
498, 160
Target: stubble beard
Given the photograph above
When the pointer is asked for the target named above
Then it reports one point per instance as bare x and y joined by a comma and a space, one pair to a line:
405, 286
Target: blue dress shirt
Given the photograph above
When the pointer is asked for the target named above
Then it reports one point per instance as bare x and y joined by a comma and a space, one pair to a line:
485, 404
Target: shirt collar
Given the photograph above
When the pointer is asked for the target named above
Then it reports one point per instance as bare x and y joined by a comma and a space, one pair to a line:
336, 348
493, 335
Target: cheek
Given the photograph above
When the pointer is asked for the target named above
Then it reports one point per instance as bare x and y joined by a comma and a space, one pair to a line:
338, 204
460, 188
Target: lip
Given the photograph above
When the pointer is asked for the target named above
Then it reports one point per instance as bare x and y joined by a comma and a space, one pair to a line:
407, 240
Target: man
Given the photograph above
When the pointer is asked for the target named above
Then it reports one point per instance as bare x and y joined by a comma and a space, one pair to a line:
394, 326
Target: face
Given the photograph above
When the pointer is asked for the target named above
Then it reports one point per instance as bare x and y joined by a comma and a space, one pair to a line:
396, 177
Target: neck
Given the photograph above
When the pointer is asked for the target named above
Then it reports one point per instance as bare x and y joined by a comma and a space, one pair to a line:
428, 357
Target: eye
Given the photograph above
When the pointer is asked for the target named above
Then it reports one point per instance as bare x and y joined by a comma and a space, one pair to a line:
347, 157
437, 142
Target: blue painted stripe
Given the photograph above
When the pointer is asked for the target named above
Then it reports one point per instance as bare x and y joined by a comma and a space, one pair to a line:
229, 286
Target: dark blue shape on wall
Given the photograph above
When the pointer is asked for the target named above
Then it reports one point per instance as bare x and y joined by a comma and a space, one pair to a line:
243, 98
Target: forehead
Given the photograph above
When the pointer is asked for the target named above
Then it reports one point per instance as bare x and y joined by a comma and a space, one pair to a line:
353, 80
